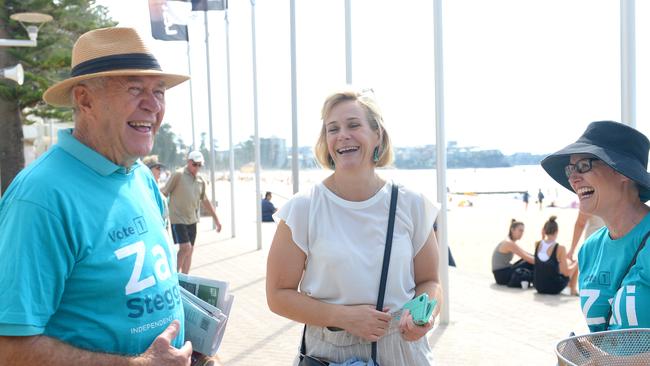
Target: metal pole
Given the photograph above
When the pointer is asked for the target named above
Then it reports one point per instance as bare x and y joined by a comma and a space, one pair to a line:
441, 159
17, 43
207, 60
258, 163
294, 101
189, 71
231, 155
628, 63
348, 42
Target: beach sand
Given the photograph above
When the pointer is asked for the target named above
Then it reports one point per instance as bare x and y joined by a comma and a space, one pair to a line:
489, 324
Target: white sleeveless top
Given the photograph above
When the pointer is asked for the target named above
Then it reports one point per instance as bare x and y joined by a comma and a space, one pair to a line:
542, 252
344, 243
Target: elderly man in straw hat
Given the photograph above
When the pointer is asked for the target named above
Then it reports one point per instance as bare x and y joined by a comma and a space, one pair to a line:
89, 275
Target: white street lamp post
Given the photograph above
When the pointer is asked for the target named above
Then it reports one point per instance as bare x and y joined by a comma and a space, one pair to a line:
32, 30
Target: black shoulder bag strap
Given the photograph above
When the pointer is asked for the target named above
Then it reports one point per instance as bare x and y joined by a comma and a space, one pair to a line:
384, 271
384, 267
632, 263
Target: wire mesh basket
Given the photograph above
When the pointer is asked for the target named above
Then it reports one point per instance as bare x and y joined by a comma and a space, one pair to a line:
624, 347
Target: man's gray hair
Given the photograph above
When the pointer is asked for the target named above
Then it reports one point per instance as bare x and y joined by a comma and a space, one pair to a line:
93, 84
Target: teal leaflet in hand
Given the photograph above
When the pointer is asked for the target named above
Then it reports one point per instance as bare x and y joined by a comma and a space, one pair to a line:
421, 308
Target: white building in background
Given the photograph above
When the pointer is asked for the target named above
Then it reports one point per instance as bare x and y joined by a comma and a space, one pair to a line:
39, 136
273, 153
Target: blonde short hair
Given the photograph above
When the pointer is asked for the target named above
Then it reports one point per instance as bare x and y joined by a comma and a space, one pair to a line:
365, 99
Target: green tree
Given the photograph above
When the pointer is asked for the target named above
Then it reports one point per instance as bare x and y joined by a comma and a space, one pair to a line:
204, 148
170, 149
245, 152
44, 65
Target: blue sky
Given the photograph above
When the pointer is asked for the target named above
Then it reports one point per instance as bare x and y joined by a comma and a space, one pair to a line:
520, 75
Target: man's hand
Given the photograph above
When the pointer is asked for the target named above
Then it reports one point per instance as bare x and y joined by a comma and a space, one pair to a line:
218, 225
203, 360
44, 350
162, 353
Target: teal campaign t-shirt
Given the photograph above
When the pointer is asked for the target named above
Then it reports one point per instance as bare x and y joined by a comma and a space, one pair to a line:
84, 253
603, 262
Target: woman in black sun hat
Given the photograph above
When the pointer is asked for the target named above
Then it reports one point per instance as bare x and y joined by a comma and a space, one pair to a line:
607, 168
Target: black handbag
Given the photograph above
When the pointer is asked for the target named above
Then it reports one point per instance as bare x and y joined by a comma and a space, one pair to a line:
306, 360
311, 361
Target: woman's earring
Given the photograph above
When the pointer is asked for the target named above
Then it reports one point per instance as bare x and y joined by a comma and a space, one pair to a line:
375, 154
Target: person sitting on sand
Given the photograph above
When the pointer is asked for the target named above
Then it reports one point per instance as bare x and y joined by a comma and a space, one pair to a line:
553, 269
502, 269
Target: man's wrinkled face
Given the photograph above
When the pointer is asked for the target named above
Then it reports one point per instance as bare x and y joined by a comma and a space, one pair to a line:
127, 114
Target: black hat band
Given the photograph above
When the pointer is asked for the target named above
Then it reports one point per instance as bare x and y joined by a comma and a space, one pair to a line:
116, 62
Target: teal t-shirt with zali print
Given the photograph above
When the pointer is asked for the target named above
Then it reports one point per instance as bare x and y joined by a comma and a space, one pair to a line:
603, 262
84, 254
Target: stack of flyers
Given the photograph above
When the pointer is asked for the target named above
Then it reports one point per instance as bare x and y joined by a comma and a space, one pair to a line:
205, 323
214, 292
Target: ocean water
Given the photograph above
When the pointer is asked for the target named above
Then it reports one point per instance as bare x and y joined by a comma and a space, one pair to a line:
476, 222
483, 183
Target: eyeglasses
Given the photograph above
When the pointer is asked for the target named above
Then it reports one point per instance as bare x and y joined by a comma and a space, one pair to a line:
197, 164
581, 166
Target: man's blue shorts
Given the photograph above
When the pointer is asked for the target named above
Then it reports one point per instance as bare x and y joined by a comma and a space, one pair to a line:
184, 233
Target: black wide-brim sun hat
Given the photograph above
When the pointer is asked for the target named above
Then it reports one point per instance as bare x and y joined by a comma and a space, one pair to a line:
621, 147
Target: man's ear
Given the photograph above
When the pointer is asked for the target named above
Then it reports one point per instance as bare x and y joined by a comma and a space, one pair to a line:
81, 97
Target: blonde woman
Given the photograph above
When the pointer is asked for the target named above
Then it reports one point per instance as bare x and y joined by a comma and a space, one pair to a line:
325, 261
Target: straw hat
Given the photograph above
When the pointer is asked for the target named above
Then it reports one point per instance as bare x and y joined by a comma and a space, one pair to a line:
108, 52
621, 147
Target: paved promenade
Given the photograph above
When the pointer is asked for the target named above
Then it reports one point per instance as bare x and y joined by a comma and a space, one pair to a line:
489, 325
